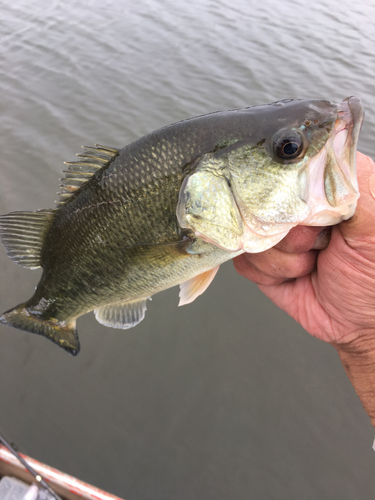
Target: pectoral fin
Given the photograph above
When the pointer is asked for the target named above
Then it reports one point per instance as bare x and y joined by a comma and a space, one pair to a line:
191, 289
121, 314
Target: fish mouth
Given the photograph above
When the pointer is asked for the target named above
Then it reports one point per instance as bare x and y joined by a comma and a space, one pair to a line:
332, 175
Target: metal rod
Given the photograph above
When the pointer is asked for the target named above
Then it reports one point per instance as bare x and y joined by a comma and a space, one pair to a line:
38, 478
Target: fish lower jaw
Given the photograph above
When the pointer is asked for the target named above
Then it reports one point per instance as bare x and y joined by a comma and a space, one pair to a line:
324, 214
330, 216
252, 242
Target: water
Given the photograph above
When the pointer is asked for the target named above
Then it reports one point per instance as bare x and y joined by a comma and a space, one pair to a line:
226, 397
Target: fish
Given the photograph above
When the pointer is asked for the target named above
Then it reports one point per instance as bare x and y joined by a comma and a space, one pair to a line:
171, 207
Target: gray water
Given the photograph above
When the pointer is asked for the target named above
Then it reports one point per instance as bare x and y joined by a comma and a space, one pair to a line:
227, 398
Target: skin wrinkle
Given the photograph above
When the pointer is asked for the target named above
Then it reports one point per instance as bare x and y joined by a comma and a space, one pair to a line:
334, 312
357, 309
305, 311
356, 277
360, 237
325, 326
357, 272
355, 259
301, 306
363, 245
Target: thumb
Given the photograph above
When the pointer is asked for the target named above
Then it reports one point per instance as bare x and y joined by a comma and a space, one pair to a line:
359, 231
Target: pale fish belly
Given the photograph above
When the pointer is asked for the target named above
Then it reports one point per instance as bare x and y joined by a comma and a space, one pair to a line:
157, 275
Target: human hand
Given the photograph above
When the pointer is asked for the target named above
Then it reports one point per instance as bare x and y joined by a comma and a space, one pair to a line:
330, 292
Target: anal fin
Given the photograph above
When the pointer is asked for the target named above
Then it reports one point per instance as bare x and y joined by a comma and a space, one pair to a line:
191, 289
122, 315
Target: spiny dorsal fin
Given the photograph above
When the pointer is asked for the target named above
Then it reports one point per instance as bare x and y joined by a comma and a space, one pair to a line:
121, 314
23, 233
79, 172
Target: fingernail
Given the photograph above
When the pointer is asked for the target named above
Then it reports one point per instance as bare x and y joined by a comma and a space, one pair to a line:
371, 183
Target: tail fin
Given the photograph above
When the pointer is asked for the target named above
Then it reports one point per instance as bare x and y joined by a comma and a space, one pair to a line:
61, 333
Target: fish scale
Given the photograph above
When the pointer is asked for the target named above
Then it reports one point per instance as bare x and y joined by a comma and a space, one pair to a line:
172, 206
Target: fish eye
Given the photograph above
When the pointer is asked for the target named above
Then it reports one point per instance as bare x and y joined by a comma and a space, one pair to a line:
288, 145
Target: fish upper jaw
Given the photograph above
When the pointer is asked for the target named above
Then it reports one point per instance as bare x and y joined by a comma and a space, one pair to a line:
330, 179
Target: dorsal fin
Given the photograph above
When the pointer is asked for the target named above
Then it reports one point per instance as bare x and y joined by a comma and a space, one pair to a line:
79, 172
23, 233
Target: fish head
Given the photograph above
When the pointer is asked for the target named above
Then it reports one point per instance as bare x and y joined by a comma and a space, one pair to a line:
296, 165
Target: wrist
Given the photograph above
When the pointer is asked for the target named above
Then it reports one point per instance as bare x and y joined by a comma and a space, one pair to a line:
358, 359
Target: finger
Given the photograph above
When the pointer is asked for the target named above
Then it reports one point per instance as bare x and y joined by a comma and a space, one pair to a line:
304, 238
361, 228
274, 266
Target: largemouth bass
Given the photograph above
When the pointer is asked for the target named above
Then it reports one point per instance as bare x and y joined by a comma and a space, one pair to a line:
172, 206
